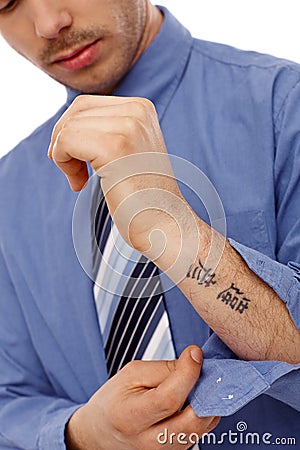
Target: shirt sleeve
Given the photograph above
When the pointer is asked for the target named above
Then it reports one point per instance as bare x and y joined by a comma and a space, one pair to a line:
227, 383
32, 415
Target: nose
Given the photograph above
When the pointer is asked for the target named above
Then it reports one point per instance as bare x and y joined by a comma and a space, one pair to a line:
49, 18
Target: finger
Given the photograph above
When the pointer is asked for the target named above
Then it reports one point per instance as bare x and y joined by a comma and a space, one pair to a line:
169, 396
146, 374
151, 374
185, 423
181, 431
92, 139
80, 104
139, 381
101, 140
85, 102
76, 172
131, 108
101, 105
172, 393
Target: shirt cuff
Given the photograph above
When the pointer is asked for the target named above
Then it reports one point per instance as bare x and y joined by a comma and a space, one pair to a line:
52, 435
227, 384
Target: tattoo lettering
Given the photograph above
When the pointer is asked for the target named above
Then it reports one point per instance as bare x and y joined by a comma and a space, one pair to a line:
234, 298
202, 274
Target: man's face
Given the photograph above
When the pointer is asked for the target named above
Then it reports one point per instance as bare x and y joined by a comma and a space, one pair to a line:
88, 45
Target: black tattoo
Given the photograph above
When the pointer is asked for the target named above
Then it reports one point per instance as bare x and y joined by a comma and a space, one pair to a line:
202, 274
234, 298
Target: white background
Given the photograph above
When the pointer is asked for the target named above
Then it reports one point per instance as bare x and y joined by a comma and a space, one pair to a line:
28, 97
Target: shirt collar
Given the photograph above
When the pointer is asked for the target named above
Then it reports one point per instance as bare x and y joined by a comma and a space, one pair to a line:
158, 71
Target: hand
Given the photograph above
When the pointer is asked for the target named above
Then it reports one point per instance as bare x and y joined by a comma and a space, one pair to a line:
122, 140
142, 400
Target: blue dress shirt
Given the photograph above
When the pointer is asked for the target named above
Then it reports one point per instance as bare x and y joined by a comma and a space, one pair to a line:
236, 116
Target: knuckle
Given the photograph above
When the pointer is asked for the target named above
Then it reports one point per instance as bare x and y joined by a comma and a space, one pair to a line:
80, 101
144, 108
56, 128
68, 123
131, 368
171, 365
119, 142
77, 102
150, 107
61, 140
131, 124
147, 103
67, 133
141, 108
131, 365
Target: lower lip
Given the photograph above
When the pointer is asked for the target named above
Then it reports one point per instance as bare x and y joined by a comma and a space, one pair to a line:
82, 59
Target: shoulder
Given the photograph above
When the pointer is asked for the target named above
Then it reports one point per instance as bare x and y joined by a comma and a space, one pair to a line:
244, 59
261, 72
250, 76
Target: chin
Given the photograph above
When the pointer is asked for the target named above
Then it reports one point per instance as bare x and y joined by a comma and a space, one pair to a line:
88, 86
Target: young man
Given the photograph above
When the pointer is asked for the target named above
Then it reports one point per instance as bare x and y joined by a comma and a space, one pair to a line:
235, 116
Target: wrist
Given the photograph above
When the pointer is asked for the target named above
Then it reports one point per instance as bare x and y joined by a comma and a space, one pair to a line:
75, 431
176, 243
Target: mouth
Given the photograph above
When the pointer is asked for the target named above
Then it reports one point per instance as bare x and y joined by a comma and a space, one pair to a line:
78, 58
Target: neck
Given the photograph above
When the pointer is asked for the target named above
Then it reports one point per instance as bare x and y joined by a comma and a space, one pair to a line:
154, 20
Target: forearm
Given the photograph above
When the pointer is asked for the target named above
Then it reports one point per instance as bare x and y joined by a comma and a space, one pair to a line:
241, 308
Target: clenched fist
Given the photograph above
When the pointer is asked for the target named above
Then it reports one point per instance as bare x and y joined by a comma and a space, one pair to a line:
122, 140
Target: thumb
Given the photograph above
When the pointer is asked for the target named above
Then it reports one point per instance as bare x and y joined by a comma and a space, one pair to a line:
169, 396
185, 374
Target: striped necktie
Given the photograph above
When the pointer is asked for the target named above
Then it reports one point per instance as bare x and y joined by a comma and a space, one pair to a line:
129, 299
